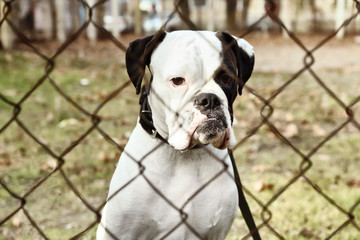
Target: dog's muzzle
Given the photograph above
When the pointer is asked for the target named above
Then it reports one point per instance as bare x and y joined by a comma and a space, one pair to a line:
213, 129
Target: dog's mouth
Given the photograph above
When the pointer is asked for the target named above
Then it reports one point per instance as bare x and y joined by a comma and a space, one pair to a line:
202, 129
211, 131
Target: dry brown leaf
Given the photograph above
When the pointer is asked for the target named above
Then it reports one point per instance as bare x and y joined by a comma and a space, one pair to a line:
49, 116
102, 94
11, 92
307, 233
260, 186
69, 122
16, 222
5, 159
354, 183
102, 157
259, 168
49, 165
324, 157
318, 131
289, 117
290, 131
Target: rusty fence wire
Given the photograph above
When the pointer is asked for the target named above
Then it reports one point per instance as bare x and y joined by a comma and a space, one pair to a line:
263, 212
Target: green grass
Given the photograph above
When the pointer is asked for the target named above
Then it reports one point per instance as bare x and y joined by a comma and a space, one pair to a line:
300, 212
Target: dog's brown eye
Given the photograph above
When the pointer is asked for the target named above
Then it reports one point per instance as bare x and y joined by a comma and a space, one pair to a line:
226, 80
177, 81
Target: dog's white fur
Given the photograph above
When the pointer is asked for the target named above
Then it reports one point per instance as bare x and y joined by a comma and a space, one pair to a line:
199, 182
138, 212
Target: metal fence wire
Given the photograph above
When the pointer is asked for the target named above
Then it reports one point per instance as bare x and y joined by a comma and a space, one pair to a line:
263, 212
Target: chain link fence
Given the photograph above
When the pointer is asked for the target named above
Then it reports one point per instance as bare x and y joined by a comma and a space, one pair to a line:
51, 189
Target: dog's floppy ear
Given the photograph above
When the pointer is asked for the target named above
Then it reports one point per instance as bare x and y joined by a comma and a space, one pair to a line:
138, 56
244, 54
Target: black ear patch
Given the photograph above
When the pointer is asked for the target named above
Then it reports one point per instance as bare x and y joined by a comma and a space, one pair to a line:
244, 61
138, 56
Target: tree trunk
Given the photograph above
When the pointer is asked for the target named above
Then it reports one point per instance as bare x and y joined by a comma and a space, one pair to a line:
138, 18
75, 15
244, 14
340, 17
91, 30
53, 19
287, 13
210, 15
6, 33
183, 8
314, 17
60, 20
231, 13
115, 15
99, 19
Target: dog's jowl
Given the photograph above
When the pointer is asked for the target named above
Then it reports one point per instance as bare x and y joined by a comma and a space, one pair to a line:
174, 179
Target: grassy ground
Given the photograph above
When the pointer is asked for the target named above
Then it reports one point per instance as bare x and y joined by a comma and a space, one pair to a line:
58, 124
304, 113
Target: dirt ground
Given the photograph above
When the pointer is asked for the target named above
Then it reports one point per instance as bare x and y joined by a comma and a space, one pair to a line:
275, 53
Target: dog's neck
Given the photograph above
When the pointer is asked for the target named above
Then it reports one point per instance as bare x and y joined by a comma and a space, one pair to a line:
146, 120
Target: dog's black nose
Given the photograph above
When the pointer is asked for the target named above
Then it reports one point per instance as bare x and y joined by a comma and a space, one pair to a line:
207, 101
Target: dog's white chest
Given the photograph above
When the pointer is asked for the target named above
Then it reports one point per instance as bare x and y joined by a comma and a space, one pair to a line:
179, 194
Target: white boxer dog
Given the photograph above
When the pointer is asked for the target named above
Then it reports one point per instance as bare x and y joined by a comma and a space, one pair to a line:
174, 179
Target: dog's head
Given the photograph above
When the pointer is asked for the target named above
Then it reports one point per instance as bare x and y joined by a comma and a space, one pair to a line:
195, 78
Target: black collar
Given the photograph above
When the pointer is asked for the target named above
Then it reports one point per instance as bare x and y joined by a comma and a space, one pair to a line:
146, 120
